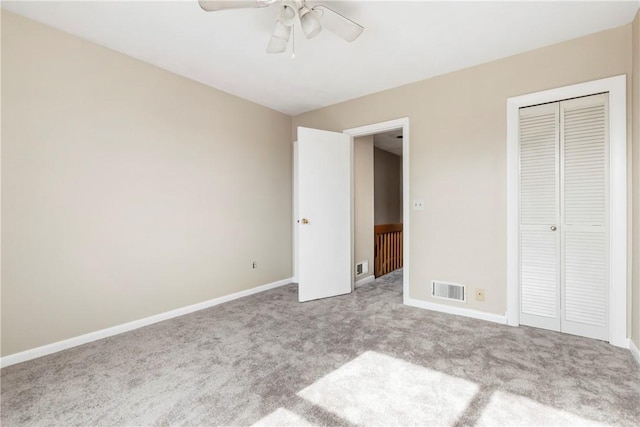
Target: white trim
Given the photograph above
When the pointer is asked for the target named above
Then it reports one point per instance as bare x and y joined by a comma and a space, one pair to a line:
364, 281
458, 311
513, 213
634, 350
406, 208
352, 207
616, 87
45, 350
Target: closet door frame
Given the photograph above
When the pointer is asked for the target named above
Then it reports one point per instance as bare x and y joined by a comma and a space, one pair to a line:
616, 88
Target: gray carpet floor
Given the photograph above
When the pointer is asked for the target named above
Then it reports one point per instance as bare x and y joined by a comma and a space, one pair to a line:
359, 359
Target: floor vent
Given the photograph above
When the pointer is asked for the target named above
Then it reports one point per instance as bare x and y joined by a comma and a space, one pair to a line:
450, 291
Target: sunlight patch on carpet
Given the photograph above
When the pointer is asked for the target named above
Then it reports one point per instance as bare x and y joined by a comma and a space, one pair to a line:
376, 389
282, 417
506, 409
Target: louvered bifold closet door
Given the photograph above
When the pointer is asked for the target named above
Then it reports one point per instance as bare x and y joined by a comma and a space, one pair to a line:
584, 195
539, 216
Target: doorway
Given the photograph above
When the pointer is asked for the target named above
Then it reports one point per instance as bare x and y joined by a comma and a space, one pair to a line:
381, 197
378, 233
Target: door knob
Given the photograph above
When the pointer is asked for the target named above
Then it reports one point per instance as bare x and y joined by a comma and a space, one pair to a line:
304, 221
554, 228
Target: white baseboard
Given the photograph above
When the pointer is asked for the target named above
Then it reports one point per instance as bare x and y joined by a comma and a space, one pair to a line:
364, 281
634, 350
44, 350
459, 311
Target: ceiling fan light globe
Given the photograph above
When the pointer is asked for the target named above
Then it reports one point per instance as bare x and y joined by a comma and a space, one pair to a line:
277, 45
281, 31
287, 15
279, 39
309, 22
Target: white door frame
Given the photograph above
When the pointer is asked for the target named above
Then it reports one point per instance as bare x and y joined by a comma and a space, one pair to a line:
402, 123
616, 87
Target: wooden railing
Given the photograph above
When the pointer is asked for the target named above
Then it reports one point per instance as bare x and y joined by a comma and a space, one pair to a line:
388, 250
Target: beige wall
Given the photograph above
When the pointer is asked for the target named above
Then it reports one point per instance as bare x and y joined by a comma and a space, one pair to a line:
458, 153
388, 187
127, 190
635, 153
363, 202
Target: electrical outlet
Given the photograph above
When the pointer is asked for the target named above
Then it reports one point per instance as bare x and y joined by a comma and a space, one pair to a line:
255, 264
418, 205
479, 294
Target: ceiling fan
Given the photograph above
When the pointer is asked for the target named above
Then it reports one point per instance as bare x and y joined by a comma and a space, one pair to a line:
312, 19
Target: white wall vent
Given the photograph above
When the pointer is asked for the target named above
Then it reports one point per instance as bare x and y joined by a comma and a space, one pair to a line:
450, 291
362, 267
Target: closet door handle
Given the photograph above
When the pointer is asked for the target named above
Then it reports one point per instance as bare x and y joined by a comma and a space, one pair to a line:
553, 228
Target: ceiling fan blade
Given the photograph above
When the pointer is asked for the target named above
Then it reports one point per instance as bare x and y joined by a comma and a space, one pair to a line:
338, 24
214, 5
279, 39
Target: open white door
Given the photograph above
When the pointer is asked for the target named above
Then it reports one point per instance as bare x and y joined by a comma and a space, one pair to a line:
324, 210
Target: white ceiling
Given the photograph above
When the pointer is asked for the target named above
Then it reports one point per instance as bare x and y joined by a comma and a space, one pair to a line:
402, 42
